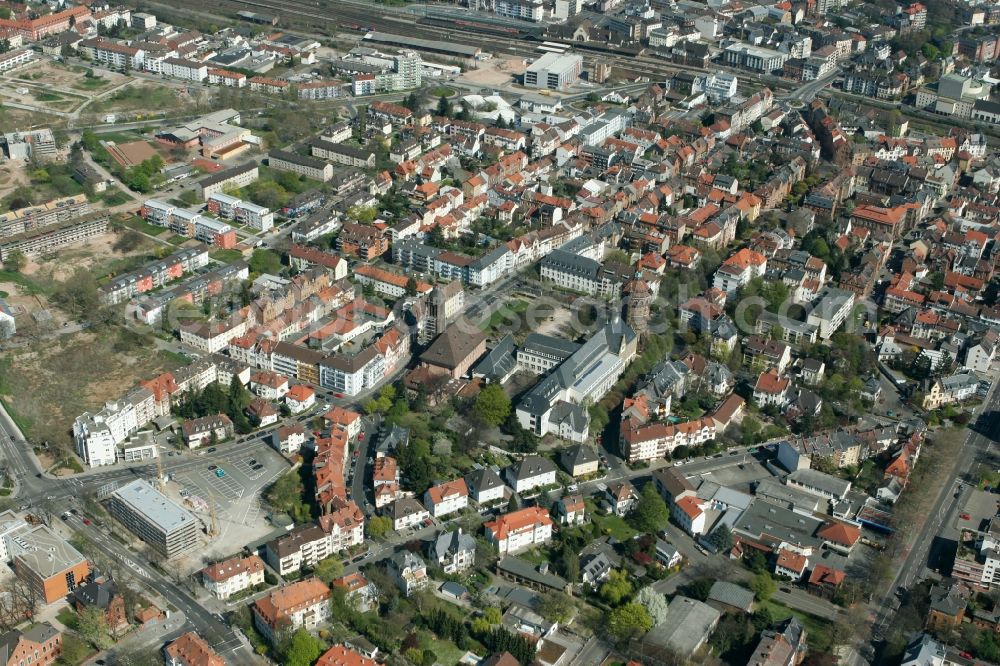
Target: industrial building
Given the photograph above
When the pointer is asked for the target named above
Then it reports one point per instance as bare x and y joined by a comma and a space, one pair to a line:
555, 71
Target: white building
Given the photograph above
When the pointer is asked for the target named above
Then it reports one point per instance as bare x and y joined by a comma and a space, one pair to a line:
518, 530
226, 578
554, 71
531, 472
446, 498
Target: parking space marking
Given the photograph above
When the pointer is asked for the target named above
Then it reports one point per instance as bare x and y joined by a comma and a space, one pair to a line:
225, 486
248, 471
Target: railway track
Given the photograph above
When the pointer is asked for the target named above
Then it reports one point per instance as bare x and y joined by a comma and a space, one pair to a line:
340, 17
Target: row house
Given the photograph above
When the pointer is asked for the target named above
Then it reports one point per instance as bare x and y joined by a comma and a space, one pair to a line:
653, 441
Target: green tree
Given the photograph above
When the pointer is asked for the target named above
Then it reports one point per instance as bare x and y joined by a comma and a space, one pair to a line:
328, 569
721, 539
300, 649
629, 621
763, 586
379, 526
492, 405
492, 615
92, 625
285, 494
265, 261
444, 106
15, 261
557, 607
617, 587
651, 512
411, 286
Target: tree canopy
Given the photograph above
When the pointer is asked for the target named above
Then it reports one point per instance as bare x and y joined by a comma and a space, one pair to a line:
492, 405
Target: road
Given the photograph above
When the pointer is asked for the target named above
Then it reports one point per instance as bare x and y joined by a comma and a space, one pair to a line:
211, 627
975, 446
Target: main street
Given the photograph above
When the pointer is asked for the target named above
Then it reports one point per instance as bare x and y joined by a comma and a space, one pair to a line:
220, 635
976, 446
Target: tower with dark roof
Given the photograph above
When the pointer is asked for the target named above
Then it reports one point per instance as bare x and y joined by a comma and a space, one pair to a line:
638, 300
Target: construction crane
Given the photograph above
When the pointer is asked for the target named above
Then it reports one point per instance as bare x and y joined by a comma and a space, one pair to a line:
159, 473
213, 529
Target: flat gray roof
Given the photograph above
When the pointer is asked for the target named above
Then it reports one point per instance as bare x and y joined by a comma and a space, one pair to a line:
423, 44
156, 508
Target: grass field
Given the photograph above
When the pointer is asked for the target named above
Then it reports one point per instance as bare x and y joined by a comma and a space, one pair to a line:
177, 239
138, 224
138, 97
226, 256
611, 524
52, 381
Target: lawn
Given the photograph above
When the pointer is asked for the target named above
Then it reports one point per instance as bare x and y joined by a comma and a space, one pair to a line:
506, 315
611, 524
49, 97
226, 256
28, 284
177, 240
67, 617
445, 651
147, 97
74, 650
781, 612
138, 224
442, 91
90, 83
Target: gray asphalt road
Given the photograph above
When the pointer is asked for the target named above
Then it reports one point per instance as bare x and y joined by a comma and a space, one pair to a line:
974, 447
211, 627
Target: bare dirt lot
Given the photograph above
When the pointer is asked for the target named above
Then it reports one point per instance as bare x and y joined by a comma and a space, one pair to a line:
12, 176
97, 254
52, 380
495, 72
58, 75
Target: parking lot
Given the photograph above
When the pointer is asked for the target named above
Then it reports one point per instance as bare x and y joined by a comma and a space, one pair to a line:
232, 489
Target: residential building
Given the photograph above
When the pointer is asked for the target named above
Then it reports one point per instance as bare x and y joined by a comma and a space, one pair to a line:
409, 572
207, 429
530, 472
454, 552
303, 604
570, 510
310, 167
771, 389
226, 578
341, 655
832, 308
407, 512
521, 529
621, 497
190, 649
446, 498
579, 460
103, 594
38, 645
485, 486
952, 389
